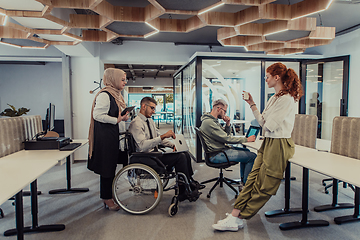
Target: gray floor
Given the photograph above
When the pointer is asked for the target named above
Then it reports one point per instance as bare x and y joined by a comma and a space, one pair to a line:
85, 217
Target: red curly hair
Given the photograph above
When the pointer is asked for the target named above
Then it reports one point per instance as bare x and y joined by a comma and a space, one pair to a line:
289, 78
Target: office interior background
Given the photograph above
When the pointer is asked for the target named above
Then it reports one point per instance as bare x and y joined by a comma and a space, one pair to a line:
64, 74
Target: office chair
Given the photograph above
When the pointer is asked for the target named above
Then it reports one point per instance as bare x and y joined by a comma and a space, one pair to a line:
222, 166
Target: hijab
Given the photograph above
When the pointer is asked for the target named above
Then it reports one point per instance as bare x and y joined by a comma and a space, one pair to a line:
112, 81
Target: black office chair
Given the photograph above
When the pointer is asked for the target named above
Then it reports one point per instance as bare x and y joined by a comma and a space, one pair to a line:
222, 166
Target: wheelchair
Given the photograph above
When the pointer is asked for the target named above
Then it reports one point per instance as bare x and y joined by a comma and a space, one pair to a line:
138, 188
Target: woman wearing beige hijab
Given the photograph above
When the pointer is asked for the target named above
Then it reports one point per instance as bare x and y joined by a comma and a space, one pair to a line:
106, 123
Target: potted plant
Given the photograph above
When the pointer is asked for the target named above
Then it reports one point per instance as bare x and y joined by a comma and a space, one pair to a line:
12, 112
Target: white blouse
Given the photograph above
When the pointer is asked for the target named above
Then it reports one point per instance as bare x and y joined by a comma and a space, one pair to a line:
278, 117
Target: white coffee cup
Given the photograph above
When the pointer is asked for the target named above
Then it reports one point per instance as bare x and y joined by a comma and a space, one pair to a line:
246, 96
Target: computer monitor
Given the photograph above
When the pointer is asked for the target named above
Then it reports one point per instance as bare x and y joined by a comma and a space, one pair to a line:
50, 118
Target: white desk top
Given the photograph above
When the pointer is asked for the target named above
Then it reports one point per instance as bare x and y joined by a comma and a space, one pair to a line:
19, 169
330, 164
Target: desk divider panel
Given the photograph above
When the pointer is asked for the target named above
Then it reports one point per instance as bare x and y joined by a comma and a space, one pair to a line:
14, 132
345, 139
305, 130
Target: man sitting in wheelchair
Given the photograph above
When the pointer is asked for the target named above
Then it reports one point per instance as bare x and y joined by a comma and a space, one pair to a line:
147, 139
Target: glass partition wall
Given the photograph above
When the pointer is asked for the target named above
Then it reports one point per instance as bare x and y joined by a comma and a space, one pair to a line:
206, 79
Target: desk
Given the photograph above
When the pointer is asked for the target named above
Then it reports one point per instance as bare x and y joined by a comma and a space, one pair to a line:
336, 166
19, 169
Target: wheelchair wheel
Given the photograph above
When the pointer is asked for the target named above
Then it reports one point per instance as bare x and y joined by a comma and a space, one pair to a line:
173, 209
137, 189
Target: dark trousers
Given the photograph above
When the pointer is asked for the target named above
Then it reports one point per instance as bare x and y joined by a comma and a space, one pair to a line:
181, 162
106, 183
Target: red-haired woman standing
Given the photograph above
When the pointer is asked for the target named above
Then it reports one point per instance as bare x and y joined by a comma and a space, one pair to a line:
277, 121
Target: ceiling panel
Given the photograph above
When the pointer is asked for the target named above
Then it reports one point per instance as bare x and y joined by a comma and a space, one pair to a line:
287, 35
231, 8
176, 16
52, 37
187, 5
37, 23
127, 3
203, 35
26, 5
23, 42
128, 28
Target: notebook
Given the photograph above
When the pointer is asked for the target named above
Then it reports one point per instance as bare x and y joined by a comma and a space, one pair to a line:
253, 130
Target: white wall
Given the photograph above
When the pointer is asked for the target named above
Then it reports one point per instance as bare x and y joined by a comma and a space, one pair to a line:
32, 86
84, 72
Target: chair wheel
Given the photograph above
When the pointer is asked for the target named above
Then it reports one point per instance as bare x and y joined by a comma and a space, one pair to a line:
173, 209
327, 192
1, 213
208, 196
324, 184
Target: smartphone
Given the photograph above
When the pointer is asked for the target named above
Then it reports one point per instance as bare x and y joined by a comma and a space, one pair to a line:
246, 96
128, 109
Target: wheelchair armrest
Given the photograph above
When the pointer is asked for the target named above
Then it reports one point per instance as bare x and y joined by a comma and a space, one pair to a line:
152, 155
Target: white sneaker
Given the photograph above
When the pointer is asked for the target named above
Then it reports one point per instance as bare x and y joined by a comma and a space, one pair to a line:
239, 221
230, 223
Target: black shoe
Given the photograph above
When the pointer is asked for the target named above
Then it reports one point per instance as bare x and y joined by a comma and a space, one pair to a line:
192, 197
197, 185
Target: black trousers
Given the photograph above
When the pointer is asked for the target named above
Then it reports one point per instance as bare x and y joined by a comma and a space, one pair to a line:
181, 162
106, 183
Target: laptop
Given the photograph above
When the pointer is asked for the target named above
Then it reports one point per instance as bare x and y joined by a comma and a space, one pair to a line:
180, 143
253, 130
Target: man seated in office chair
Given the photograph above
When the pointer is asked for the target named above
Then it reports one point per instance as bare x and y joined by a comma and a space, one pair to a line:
147, 139
216, 138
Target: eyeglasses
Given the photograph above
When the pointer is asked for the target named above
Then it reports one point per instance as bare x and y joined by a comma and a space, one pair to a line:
152, 107
125, 80
223, 110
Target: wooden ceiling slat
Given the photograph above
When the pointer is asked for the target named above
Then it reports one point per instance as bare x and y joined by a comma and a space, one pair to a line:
307, 7
246, 16
129, 14
94, 36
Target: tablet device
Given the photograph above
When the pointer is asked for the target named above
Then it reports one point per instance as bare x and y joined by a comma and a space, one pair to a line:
128, 109
253, 130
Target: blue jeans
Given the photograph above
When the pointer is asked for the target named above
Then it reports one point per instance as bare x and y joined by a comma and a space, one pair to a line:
237, 154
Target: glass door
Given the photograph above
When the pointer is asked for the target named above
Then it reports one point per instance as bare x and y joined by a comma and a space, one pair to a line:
326, 92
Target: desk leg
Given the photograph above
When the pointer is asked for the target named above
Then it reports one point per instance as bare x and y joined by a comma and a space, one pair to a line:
19, 213
287, 209
68, 179
351, 218
335, 204
305, 206
34, 212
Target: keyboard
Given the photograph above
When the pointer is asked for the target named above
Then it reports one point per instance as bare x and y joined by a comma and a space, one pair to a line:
70, 147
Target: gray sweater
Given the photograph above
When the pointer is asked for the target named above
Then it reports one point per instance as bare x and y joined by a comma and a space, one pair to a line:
215, 136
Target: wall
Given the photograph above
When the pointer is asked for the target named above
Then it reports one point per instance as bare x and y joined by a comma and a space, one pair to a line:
84, 71
32, 86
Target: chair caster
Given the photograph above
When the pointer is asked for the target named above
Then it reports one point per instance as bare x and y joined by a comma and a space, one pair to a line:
1, 213
326, 192
173, 209
208, 196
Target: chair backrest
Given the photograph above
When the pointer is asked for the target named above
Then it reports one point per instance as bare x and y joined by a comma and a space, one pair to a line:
345, 139
305, 130
130, 144
202, 141
208, 154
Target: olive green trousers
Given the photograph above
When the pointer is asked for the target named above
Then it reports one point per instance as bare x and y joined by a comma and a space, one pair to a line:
265, 176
